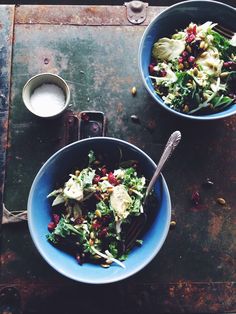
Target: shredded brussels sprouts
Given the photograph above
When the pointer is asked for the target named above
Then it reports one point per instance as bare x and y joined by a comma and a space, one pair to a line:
90, 210
194, 70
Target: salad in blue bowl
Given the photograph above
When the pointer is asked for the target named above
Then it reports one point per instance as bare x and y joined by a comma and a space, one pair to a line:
93, 208
81, 203
187, 62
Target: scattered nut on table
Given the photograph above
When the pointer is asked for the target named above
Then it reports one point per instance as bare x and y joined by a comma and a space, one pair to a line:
133, 90
135, 118
221, 201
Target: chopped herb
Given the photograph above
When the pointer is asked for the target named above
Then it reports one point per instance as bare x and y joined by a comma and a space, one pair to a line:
91, 157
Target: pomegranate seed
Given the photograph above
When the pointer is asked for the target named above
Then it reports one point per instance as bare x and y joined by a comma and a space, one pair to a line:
192, 30
96, 225
96, 179
104, 171
56, 219
231, 65
51, 226
151, 68
163, 73
190, 38
233, 96
184, 54
196, 197
102, 233
105, 219
112, 179
191, 59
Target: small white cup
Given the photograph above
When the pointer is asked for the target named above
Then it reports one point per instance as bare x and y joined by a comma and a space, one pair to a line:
37, 81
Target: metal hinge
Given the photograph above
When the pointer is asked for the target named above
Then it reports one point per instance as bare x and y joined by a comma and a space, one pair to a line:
136, 11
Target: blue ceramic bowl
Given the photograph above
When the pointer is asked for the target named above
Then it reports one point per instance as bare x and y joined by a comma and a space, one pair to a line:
56, 170
178, 16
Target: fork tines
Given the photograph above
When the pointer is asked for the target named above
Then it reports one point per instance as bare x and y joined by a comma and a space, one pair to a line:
224, 31
135, 229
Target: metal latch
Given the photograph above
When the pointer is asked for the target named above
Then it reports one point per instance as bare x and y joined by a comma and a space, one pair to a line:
79, 125
91, 124
136, 11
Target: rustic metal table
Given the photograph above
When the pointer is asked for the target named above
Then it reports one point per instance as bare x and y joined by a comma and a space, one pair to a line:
95, 49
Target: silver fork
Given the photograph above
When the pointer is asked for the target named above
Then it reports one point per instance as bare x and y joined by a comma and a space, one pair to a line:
227, 33
138, 223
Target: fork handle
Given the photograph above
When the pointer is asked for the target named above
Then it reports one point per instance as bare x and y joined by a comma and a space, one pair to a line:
172, 143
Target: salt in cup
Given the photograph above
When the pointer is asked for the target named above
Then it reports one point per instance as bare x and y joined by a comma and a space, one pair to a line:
46, 95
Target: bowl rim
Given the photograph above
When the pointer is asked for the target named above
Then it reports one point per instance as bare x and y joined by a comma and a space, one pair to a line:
161, 103
117, 277
48, 74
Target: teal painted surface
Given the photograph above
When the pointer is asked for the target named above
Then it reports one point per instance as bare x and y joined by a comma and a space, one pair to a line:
100, 64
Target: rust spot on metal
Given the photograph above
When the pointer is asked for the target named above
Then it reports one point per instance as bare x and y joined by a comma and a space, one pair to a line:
120, 108
152, 125
215, 226
231, 123
7, 257
4, 142
132, 140
199, 208
91, 10
187, 297
229, 261
5, 124
78, 15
